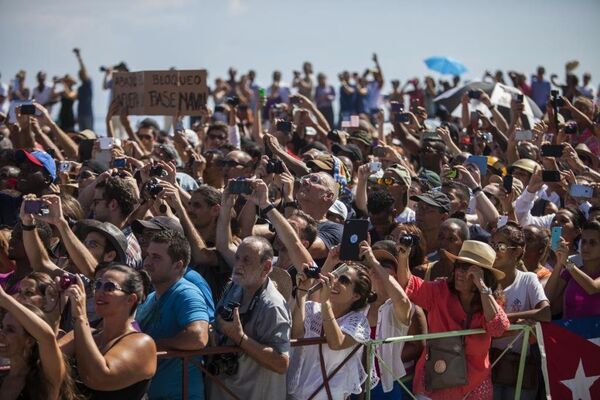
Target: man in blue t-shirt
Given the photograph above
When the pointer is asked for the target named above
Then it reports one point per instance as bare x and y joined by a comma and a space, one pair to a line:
175, 315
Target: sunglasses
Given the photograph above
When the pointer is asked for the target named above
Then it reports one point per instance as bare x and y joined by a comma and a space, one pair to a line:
502, 247
312, 178
229, 164
384, 181
462, 266
344, 280
109, 287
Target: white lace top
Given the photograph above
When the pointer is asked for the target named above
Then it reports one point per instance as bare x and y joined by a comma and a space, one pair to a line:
304, 374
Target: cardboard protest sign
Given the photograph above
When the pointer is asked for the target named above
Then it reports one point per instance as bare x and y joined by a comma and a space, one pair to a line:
161, 92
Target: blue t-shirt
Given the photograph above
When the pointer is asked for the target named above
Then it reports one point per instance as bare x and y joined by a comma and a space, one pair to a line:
163, 318
199, 281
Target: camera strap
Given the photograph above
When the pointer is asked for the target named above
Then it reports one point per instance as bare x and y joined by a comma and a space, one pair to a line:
245, 317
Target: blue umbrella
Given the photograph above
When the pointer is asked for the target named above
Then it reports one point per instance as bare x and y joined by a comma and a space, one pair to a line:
445, 65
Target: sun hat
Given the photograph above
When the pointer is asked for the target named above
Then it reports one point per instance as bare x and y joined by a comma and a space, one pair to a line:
477, 253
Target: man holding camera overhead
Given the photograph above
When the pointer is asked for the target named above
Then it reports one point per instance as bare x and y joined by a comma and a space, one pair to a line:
254, 316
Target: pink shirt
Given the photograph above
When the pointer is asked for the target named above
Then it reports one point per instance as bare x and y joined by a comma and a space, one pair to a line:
445, 313
576, 301
12, 290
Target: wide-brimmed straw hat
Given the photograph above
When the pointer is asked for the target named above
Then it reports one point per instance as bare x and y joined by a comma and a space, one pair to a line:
477, 253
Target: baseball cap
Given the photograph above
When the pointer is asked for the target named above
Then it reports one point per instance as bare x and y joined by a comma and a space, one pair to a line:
339, 208
323, 162
350, 150
436, 199
159, 223
39, 158
401, 172
432, 178
361, 136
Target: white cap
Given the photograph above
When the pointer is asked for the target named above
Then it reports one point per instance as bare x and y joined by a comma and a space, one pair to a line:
339, 208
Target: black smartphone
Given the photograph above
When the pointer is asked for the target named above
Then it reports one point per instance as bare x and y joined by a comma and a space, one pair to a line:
551, 176
397, 107
333, 135
240, 186
233, 101
552, 150
474, 94
27, 109
355, 231
571, 128
157, 170
33, 206
520, 98
403, 117
284, 126
507, 182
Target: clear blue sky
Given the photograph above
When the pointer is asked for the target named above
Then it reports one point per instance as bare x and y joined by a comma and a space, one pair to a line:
281, 34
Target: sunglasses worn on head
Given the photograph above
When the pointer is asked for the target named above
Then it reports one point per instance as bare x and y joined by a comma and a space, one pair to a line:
502, 247
109, 287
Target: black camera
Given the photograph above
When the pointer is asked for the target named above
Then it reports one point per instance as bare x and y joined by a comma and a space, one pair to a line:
312, 272
157, 170
103, 69
571, 128
275, 167
226, 364
226, 312
408, 240
154, 188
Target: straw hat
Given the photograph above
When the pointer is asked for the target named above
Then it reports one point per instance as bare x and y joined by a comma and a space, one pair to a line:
477, 253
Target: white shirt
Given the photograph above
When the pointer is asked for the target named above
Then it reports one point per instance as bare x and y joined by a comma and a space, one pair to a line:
523, 206
304, 374
523, 294
42, 96
406, 217
388, 326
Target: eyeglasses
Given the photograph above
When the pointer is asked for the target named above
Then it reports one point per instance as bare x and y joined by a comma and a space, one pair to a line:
230, 164
109, 287
312, 178
502, 247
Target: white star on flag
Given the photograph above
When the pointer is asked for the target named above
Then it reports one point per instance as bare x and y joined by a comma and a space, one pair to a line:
580, 384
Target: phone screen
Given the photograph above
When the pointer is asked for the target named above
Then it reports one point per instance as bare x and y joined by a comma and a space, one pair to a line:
480, 161
355, 231
552, 150
555, 240
507, 183
551, 176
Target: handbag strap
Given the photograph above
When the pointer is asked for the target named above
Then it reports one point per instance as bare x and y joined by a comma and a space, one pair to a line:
326, 378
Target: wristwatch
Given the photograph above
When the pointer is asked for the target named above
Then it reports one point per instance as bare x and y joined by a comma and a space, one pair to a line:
486, 290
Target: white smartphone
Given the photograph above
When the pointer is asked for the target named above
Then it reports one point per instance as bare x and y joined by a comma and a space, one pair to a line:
374, 166
582, 191
524, 135
106, 143
64, 166
502, 220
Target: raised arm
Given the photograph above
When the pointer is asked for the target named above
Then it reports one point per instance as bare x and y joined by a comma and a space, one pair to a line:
82, 70
224, 238
361, 188
65, 142
49, 353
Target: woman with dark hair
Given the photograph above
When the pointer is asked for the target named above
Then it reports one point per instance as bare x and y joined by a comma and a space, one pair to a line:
524, 300
37, 367
339, 316
117, 361
467, 300
574, 290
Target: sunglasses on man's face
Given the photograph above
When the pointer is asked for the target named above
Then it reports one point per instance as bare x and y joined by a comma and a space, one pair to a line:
384, 181
108, 287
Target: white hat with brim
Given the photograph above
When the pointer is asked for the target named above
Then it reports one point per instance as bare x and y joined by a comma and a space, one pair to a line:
477, 253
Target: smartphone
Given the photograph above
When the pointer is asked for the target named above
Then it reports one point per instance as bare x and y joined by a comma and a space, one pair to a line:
524, 135
355, 231
403, 117
333, 135
555, 238
284, 126
507, 183
397, 107
106, 143
346, 124
157, 170
552, 150
33, 206
374, 166
27, 109
379, 151
239, 186
519, 98
480, 161
551, 176
474, 117
582, 191
452, 174
64, 166
502, 220
548, 137
474, 94
120, 163
354, 121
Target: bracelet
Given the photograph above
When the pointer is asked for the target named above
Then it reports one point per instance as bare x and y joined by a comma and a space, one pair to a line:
476, 190
268, 208
28, 227
242, 339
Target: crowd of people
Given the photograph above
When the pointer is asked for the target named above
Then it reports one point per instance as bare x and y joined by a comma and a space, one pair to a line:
272, 219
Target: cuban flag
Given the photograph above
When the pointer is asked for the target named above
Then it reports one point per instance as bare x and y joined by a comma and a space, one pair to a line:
571, 358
